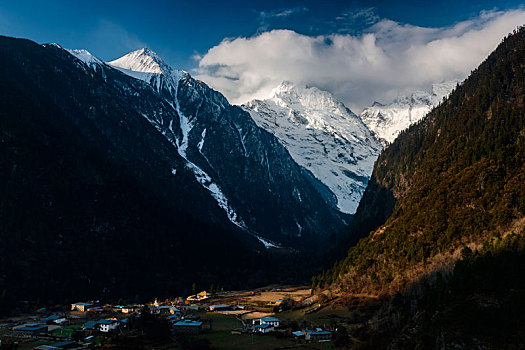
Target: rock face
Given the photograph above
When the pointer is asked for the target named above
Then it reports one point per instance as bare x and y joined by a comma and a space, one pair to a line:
140, 180
323, 136
388, 120
244, 168
95, 201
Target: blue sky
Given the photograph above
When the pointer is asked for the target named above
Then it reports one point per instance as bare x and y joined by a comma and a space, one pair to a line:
179, 29
359, 50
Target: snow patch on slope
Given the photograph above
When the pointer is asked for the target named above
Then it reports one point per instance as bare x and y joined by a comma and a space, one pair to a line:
267, 243
146, 65
89, 60
85, 56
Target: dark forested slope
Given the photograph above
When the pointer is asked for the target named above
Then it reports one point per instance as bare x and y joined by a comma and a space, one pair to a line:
94, 201
456, 178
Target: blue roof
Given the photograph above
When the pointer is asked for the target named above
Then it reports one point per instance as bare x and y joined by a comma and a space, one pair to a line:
104, 321
50, 318
298, 333
312, 332
270, 319
264, 325
31, 328
89, 324
85, 304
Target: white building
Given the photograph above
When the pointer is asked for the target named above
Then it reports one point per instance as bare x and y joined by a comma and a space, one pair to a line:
264, 328
107, 325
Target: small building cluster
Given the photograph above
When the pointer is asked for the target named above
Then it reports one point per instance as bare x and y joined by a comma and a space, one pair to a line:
269, 324
104, 325
187, 327
94, 322
265, 324
314, 335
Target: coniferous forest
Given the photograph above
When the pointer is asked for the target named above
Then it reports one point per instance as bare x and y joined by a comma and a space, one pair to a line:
451, 251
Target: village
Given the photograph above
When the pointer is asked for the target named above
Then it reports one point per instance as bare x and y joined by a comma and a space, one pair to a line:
277, 317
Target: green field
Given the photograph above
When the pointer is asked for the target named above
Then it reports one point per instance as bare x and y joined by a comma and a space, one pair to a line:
221, 338
66, 331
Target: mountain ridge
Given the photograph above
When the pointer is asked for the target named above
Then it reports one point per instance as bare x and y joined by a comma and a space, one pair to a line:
453, 179
387, 120
201, 133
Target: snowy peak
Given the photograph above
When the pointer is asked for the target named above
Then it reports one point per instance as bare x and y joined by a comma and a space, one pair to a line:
304, 97
144, 64
388, 120
284, 88
144, 61
323, 136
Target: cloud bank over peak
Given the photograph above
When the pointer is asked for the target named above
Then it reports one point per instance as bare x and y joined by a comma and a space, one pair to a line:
386, 60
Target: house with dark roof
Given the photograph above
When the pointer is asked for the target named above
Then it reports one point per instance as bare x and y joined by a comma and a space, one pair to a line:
56, 319
80, 306
317, 335
298, 334
187, 327
102, 325
89, 326
267, 320
106, 326
263, 328
95, 309
29, 330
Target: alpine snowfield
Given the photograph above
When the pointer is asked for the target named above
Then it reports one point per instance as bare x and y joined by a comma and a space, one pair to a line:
323, 136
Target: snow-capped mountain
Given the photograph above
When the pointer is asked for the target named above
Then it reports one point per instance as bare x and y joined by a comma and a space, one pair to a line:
88, 161
323, 136
143, 60
388, 120
245, 169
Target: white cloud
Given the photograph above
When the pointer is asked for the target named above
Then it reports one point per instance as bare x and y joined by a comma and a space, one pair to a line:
388, 59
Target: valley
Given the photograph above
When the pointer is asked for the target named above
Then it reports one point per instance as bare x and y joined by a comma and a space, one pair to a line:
245, 204
226, 320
